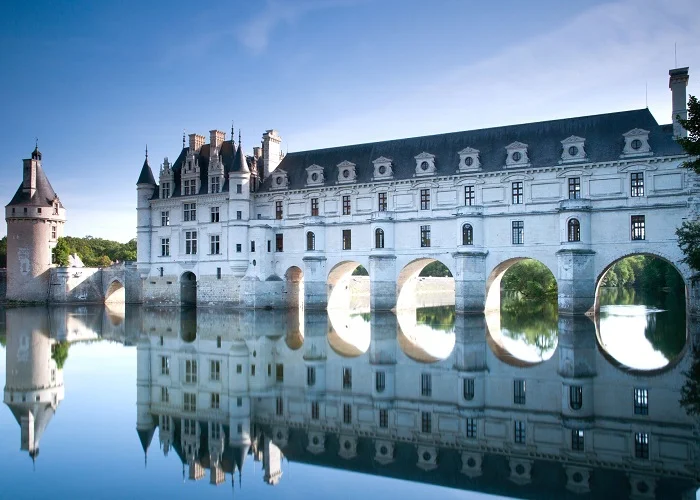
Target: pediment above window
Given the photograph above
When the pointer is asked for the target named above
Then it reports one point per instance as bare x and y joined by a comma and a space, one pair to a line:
516, 155
636, 143
346, 172
314, 175
469, 160
425, 164
573, 149
279, 179
382, 168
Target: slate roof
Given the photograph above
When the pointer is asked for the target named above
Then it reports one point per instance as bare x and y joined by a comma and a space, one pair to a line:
603, 135
43, 196
146, 176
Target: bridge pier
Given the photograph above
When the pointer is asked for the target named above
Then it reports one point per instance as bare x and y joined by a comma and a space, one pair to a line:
575, 280
470, 279
382, 289
315, 289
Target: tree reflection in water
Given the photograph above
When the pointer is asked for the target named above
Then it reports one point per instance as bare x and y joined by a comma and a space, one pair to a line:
532, 322
438, 318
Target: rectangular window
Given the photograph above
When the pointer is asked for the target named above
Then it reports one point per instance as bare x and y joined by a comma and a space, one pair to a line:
637, 184
517, 193
384, 418
641, 445
165, 190
215, 399
314, 410
347, 378
190, 428
471, 428
190, 401
218, 338
215, 370
191, 242
310, 376
347, 239
469, 195
278, 210
164, 365
239, 215
519, 392
425, 199
279, 243
215, 185
426, 384
252, 246
214, 214
518, 232
314, 206
214, 248
347, 413
638, 229
426, 421
239, 368
641, 401
577, 439
380, 381
186, 188
165, 218
165, 247
252, 370
239, 188
519, 431
239, 248
575, 397
54, 233
164, 395
279, 406
190, 212
239, 401
191, 371
468, 389
381, 198
218, 275
425, 236
279, 372
346, 205
574, 188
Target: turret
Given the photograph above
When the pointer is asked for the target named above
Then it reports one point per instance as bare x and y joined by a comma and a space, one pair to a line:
239, 210
145, 424
145, 187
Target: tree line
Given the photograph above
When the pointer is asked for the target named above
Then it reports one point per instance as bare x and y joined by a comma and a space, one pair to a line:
94, 252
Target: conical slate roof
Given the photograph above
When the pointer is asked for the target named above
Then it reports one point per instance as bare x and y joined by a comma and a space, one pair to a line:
240, 165
43, 196
146, 176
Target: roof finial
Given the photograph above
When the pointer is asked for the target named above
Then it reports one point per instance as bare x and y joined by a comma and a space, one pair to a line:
232, 136
183, 138
36, 143
239, 137
147, 151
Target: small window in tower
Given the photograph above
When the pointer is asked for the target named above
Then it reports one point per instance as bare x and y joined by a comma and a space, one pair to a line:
239, 188
38, 210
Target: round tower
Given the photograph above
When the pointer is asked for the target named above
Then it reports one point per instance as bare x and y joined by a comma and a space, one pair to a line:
145, 186
35, 219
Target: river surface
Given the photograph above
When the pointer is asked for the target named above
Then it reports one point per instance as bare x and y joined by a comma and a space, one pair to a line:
170, 403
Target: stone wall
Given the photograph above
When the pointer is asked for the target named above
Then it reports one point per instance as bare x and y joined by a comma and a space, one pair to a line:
3, 285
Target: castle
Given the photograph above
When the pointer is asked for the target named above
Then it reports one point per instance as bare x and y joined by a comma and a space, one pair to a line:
274, 230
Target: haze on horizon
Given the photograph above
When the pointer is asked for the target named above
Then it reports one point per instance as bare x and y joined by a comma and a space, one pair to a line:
96, 82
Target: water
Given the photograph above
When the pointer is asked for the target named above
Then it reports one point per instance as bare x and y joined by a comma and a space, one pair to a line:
310, 405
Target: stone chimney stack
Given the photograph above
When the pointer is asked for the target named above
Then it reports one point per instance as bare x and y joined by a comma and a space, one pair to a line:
196, 142
29, 172
678, 81
272, 150
216, 138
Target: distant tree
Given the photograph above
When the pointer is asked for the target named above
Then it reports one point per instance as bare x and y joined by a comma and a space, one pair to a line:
95, 252
689, 232
360, 271
62, 252
435, 269
59, 353
3, 252
531, 279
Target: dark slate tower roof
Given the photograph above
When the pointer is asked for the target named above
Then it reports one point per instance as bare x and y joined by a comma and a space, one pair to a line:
146, 176
44, 194
602, 133
240, 165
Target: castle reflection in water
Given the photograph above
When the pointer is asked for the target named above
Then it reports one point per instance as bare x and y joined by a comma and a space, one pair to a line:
444, 404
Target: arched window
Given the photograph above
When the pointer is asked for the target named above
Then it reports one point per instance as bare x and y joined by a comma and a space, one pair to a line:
379, 238
310, 241
574, 230
467, 234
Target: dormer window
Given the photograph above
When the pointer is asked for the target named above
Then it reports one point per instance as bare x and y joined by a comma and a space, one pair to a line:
516, 155
573, 149
314, 175
636, 143
346, 172
425, 164
382, 168
469, 160
279, 179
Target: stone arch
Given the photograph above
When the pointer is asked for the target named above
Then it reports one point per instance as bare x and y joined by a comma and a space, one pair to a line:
346, 290
294, 287
493, 281
188, 289
115, 292
408, 286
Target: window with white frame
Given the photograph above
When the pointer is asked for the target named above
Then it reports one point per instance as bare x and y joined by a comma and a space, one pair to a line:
637, 184
215, 185
214, 214
426, 422
215, 400
190, 400
518, 227
164, 365
164, 395
380, 381
165, 247
191, 371
469, 195
426, 384
165, 190
191, 242
382, 201
346, 205
190, 212
425, 236
165, 218
215, 370
638, 224
214, 244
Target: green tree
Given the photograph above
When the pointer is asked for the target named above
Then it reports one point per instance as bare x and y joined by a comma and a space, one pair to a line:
59, 353
689, 232
435, 269
62, 252
531, 279
690, 392
3, 252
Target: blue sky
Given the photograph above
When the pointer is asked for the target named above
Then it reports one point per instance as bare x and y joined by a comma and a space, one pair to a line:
96, 81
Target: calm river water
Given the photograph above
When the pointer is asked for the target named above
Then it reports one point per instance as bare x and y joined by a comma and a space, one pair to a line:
170, 403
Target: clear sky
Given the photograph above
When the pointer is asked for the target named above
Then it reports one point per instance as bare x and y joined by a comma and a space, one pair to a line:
97, 81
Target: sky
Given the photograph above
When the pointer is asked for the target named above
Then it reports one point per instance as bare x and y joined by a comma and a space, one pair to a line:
96, 82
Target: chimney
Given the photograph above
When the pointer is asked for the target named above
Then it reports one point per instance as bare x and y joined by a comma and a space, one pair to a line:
216, 138
196, 142
29, 172
271, 151
257, 152
678, 81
